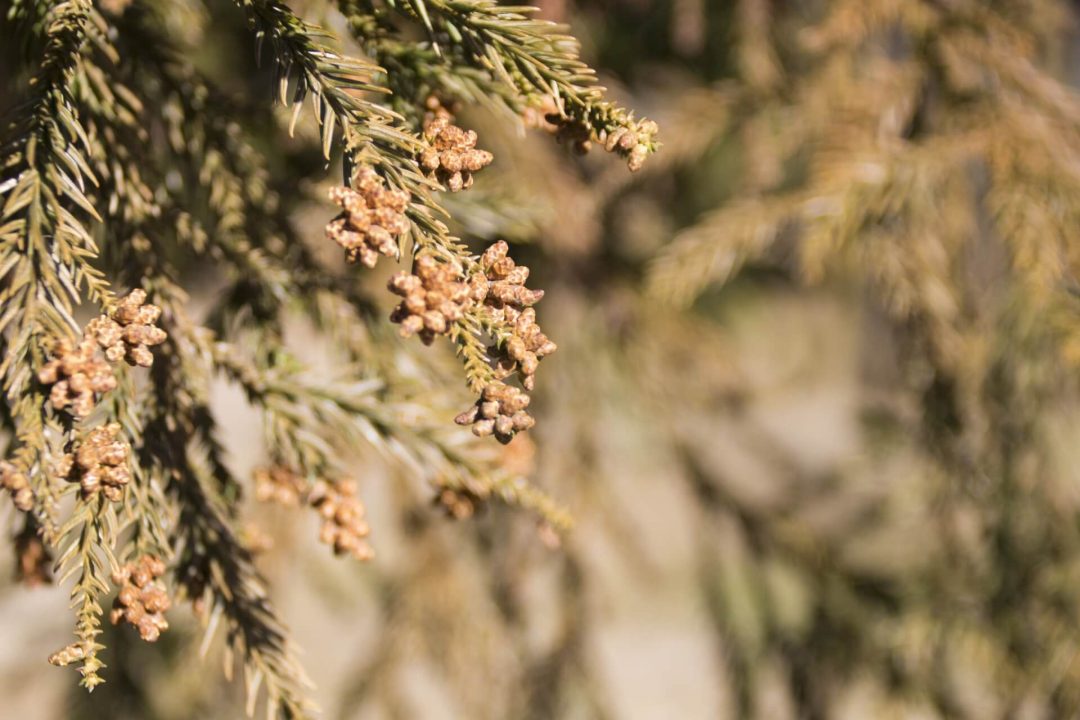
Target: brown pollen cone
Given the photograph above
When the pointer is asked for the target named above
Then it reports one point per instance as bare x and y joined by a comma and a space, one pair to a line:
129, 331
99, 463
459, 503
16, 483
142, 598
344, 527
77, 376
451, 155
372, 218
500, 411
279, 485
511, 304
433, 298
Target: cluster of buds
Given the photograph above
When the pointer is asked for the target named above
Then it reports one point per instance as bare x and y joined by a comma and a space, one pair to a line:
524, 349
77, 376
142, 599
99, 463
506, 279
76, 372
434, 297
633, 141
279, 485
372, 218
344, 527
511, 304
16, 483
34, 561
459, 503
451, 154
499, 411
342, 513
129, 331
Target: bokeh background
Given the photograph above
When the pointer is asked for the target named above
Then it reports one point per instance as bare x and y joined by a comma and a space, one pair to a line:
814, 407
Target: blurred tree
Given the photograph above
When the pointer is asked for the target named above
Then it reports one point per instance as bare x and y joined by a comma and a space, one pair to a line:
920, 154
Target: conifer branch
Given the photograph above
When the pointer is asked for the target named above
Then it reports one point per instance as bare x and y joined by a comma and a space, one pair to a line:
127, 158
336, 84
213, 566
416, 70
499, 56
309, 449
44, 247
535, 59
372, 134
305, 418
391, 151
224, 206
89, 532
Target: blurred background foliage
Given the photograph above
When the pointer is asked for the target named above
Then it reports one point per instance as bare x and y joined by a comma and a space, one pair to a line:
814, 409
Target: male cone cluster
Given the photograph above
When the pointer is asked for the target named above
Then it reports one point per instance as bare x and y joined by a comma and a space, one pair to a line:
459, 504
451, 154
344, 527
372, 218
279, 485
510, 303
99, 463
142, 599
437, 293
16, 483
633, 141
434, 296
499, 411
128, 332
77, 376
